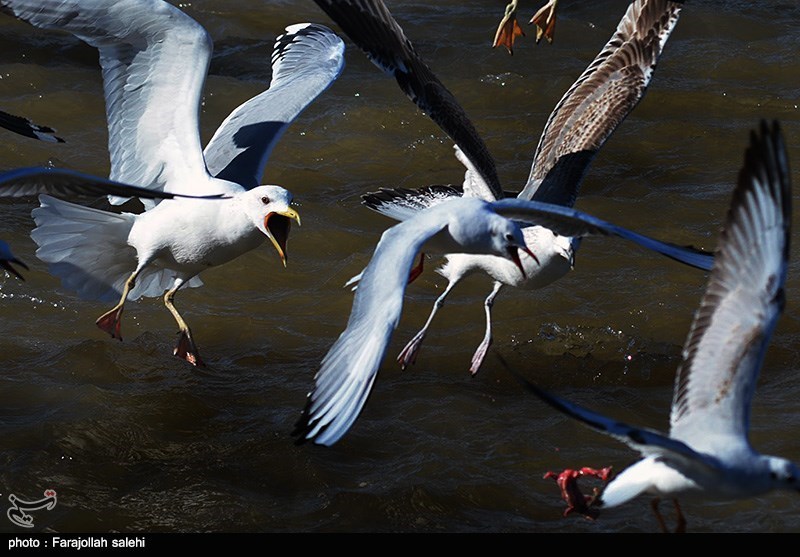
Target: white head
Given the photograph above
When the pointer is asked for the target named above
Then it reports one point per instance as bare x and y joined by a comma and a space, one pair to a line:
480, 230
270, 210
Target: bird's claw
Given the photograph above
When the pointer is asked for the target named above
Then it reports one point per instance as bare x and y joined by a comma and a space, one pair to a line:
570, 492
111, 322
187, 350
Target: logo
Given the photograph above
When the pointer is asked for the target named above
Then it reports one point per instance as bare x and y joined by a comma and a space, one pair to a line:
16, 513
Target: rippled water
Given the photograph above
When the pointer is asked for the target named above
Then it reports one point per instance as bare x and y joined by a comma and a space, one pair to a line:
135, 440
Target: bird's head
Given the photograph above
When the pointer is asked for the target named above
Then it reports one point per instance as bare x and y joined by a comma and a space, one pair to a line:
270, 208
507, 241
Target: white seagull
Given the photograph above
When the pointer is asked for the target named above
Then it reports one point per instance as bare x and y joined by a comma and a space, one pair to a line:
707, 454
27, 182
154, 59
456, 225
23, 126
579, 125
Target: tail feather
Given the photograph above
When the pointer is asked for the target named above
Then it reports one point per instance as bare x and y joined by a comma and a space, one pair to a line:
86, 248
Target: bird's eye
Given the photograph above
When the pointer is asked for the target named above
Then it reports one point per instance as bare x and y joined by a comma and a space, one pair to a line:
510, 237
265, 200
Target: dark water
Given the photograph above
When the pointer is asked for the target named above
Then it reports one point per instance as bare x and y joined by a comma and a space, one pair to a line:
134, 440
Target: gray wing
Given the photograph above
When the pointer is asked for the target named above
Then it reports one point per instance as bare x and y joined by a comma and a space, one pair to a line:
23, 182
305, 61
154, 60
571, 222
605, 93
646, 441
372, 27
23, 126
743, 300
348, 370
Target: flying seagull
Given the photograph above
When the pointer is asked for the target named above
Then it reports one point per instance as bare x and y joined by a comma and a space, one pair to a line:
707, 453
463, 225
154, 59
579, 125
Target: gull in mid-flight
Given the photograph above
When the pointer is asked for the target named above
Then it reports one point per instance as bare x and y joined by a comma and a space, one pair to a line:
460, 225
154, 59
707, 453
28, 182
577, 128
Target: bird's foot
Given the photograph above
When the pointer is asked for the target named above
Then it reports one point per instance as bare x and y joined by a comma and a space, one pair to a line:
111, 322
545, 21
479, 355
570, 492
409, 354
187, 349
508, 31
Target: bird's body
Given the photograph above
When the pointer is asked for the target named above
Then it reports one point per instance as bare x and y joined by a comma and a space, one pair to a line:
707, 453
348, 370
461, 224
580, 124
154, 59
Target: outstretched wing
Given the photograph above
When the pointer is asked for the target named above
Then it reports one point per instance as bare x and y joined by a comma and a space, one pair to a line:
22, 182
571, 222
348, 370
372, 27
745, 296
605, 93
154, 60
305, 61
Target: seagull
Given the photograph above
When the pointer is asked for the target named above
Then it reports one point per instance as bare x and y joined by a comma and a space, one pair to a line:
23, 126
27, 182
508, 29
579, 125
154, 59
707, 454
460, 224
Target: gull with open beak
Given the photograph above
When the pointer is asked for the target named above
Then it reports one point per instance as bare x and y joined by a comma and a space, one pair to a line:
154, 59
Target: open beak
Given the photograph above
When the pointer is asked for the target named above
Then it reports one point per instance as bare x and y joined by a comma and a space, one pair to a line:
6, 264
277, 226
513, 254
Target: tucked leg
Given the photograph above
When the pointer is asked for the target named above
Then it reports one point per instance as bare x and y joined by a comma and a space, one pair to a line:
186, 348
483, 348
409, 354
110, 321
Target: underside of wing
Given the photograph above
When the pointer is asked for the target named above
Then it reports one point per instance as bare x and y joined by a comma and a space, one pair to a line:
344, 382
599, 100
745, 295
154, 60
305, 61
